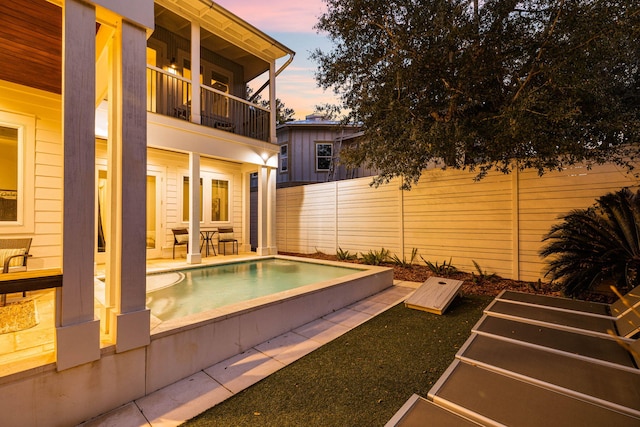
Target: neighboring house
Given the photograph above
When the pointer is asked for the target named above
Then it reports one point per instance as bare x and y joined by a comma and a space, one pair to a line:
310, 151
99, 154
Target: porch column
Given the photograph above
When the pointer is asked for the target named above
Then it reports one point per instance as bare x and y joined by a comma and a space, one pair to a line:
77, 332
195, 73
126, 181
266, 211
194, 256
271, 211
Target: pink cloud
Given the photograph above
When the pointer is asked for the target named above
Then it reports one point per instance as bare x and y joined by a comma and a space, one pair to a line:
277, 15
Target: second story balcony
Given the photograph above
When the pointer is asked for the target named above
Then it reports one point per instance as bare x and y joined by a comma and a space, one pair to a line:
232, 55
170, 94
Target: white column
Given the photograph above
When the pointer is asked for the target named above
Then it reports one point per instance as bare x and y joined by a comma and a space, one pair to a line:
263, 218
194, 256
195, 73
127, 171
77, 332
246, 212
271, 211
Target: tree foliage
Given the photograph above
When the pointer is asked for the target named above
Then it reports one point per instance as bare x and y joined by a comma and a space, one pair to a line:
491, 85
283, 114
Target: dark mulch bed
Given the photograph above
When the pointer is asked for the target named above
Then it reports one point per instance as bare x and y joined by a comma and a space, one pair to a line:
473, 285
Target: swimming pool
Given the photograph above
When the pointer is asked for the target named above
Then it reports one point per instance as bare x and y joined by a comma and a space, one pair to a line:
176, 294
182, 346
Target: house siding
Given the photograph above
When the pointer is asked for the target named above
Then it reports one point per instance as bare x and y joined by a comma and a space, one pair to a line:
301, 140
497, 222
172, 167
46, 246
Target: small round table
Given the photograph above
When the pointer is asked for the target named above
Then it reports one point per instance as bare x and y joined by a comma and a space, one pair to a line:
207, 240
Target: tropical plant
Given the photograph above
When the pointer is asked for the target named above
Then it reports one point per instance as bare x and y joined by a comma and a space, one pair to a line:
403, 262
597, 244
482, 275
445, 269
345, 255
375, 257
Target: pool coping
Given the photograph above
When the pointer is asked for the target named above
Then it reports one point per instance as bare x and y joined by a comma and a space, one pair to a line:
167, 327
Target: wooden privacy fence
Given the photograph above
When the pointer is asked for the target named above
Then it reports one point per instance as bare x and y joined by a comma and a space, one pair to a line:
497, 222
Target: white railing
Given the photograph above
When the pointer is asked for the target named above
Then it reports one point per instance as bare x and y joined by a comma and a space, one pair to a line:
230, 113
170, 95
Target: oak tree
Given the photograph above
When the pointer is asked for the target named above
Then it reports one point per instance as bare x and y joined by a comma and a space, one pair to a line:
485, 85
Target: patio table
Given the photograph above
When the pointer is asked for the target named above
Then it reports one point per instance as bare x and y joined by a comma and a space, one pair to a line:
207, 240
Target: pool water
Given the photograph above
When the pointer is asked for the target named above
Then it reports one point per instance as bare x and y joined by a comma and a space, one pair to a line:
180, 293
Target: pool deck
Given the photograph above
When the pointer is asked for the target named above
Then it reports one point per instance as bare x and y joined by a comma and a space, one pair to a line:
178, 402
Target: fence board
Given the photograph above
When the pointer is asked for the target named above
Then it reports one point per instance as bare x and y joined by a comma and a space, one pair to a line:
447, 215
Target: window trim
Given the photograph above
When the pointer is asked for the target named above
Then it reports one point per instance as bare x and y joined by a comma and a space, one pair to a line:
283, 158
207, 204
26, 126
318, 143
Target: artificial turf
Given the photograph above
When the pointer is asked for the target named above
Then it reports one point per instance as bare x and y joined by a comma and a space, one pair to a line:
361, 378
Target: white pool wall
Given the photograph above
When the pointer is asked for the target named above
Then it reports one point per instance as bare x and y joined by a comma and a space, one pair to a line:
201, 340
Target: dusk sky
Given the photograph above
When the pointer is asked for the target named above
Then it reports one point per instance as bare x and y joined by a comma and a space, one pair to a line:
290, 23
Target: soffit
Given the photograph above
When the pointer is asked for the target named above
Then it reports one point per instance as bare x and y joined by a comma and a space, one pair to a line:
224, 33
31, 39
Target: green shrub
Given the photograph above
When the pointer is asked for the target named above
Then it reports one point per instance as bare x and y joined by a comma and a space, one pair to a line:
375, 257
480, 276
595, 245
345, 255
445, 269
403, 262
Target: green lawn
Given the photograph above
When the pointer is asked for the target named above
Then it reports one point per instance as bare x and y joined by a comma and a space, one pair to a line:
359, 379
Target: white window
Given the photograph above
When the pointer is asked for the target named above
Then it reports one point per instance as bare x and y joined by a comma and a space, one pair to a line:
284, 158
324, 153
215, 198
17, 144
9, 174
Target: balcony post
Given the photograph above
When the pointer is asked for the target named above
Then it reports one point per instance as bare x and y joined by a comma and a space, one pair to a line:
272, 103
195, 73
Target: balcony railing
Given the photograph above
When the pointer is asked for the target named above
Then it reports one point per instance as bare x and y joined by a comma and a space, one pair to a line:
227, 112
170, 95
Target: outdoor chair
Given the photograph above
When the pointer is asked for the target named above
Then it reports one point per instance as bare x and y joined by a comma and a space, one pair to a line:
14, 254
521, 371
602, 383
225, 235
180, 238
625, 325
616, 309
13, 258
501, 398
598, 347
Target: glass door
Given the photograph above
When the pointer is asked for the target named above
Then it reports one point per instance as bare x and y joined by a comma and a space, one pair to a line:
154, 214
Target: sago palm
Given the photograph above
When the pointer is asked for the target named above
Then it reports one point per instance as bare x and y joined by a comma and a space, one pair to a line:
598, 244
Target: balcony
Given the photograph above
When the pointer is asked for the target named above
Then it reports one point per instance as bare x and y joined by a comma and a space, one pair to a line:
170, 95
